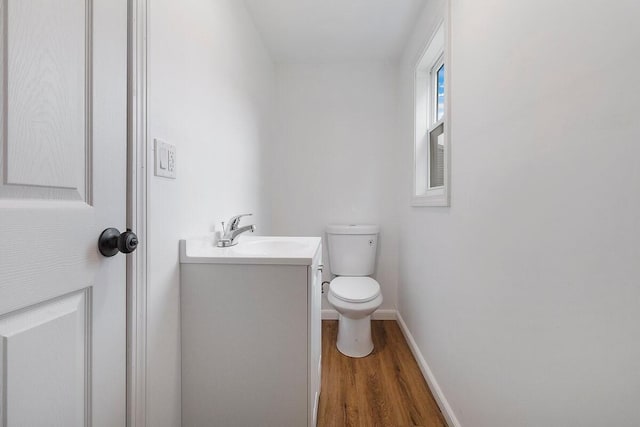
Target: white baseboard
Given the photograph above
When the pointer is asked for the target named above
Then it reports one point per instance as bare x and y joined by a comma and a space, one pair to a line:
329, 314
384, 314
452, 421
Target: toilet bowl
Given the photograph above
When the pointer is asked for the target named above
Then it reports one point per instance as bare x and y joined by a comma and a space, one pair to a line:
354, 295
355, 299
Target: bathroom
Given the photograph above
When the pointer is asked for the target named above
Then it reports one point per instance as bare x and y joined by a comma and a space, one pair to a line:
518, 288
508, 290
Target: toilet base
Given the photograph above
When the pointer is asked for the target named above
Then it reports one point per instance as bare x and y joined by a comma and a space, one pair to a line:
354, 336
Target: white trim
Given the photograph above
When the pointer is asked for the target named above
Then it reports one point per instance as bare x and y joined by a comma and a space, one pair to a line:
429, 56
383, 314
452, 421
329, 314
137, 265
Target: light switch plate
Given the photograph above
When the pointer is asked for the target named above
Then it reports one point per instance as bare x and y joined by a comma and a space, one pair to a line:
165, 159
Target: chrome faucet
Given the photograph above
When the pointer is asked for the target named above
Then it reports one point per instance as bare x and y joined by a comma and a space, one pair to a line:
232, 231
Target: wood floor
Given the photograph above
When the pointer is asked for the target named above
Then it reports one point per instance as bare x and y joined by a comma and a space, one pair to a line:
384, 389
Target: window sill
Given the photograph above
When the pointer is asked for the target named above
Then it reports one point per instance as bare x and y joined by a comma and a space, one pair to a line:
435, 197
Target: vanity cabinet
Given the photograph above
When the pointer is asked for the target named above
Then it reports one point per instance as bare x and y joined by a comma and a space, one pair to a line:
251, 338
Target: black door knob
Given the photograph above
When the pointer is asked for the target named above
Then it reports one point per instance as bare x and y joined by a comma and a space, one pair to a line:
111, 242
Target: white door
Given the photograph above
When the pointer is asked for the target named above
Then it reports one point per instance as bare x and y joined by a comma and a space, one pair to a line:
62, 181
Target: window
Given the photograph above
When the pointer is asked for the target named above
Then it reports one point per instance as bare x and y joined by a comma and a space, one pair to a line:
438, 82
435, 125
431, 157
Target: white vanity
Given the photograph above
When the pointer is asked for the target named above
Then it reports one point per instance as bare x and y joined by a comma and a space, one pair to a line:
251, 332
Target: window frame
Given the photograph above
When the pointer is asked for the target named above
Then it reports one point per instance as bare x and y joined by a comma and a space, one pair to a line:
434, 55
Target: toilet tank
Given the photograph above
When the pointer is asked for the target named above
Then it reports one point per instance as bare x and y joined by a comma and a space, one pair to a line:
352, 249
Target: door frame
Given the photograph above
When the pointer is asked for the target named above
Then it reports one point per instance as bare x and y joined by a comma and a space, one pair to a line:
137, 208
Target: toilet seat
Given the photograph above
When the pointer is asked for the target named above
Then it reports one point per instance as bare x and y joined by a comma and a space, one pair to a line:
359, 289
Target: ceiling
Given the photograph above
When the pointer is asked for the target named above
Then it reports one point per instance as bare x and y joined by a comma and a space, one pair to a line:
334, 30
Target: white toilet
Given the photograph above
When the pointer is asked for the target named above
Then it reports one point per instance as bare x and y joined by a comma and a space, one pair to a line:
352, 257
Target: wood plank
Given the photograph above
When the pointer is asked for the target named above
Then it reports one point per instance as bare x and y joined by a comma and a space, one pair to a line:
383, 389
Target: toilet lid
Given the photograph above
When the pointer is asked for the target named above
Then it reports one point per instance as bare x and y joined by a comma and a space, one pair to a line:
354, 289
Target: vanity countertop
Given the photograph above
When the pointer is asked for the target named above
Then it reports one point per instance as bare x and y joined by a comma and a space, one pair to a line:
278, 250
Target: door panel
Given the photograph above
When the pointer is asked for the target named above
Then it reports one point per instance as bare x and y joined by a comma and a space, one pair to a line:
48, 345
62, 181
47, 73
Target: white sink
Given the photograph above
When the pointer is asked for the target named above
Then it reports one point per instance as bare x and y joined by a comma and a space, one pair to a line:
252, 250
267, 247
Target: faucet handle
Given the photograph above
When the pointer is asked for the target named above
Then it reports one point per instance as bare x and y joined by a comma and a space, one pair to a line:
235, 220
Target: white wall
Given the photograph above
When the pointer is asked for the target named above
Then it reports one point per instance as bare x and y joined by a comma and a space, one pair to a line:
211, 85
333, 157
524, 296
